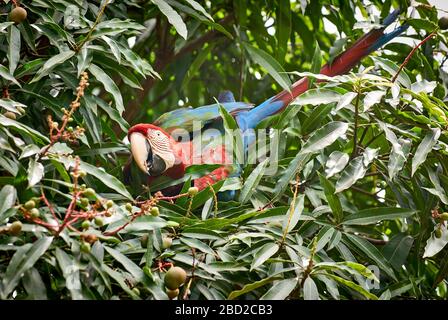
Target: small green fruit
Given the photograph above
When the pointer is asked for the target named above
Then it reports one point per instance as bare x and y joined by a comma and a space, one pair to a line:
34, 213
18, 15
84, 202
129, 207
109, 204
15, 228
154, 211
136, 291
21, 110
172, 293
30, 204
82, 173
85, 225
10, 115
85, 247
175, 277
438, 233
443, 23
193, 191
167, 242
173, 224
99, 221
444, 216
89, 192
144, 241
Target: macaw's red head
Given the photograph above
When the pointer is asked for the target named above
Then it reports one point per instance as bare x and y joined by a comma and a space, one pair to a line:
152, 148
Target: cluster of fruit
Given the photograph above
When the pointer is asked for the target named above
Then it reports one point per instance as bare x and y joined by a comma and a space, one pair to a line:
174, 278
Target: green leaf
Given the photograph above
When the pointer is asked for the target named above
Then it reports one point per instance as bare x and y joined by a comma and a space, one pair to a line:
252, 181
198, 7
23, 260
35, 172
336, 163
270, 64
424, 148
324, 137
8, 197
4, 73
197, 63
375, 215
27, 131
290, 221
14, 48
280, 290
332, 198
397, 250
100, 174
352, 173
316, 63
293, 168
263, 254
127, 263
109, 85
52, 63
392, 68
252, 286
173, 17
283, 28
195, 243
317, 96
353, 286
70, 271
310, 291
373, 253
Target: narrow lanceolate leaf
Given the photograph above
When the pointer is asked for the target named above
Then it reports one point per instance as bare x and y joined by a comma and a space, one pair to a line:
397, 250
52, 63
263, 254
8, 197
317, 96
35, 172
109, 85
23, 260
332, 198
198, 7
295, 166
4, 73
336, 163
310, 291
270, 64
252, 181
173, 17
375, 215
293, 214
283, 28
280, 290
352, 173
353, 286
397, 160
252, 286
373, 253
14, 48
372, 98
345, 100
324, 137
100, 174
127, 263
424, 148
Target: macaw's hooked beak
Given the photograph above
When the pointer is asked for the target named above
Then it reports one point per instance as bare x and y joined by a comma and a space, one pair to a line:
146, 160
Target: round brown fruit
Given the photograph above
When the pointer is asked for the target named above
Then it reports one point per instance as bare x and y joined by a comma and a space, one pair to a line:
15, 228
175, 277
172, 293
18, 15
443, 23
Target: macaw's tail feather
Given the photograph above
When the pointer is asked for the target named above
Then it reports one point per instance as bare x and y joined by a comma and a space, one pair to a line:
343, 63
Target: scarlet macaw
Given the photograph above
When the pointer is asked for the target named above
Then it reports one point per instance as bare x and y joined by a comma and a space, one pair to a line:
156, 152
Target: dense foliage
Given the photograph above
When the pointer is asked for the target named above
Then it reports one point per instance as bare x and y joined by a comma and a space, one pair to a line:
355, 210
